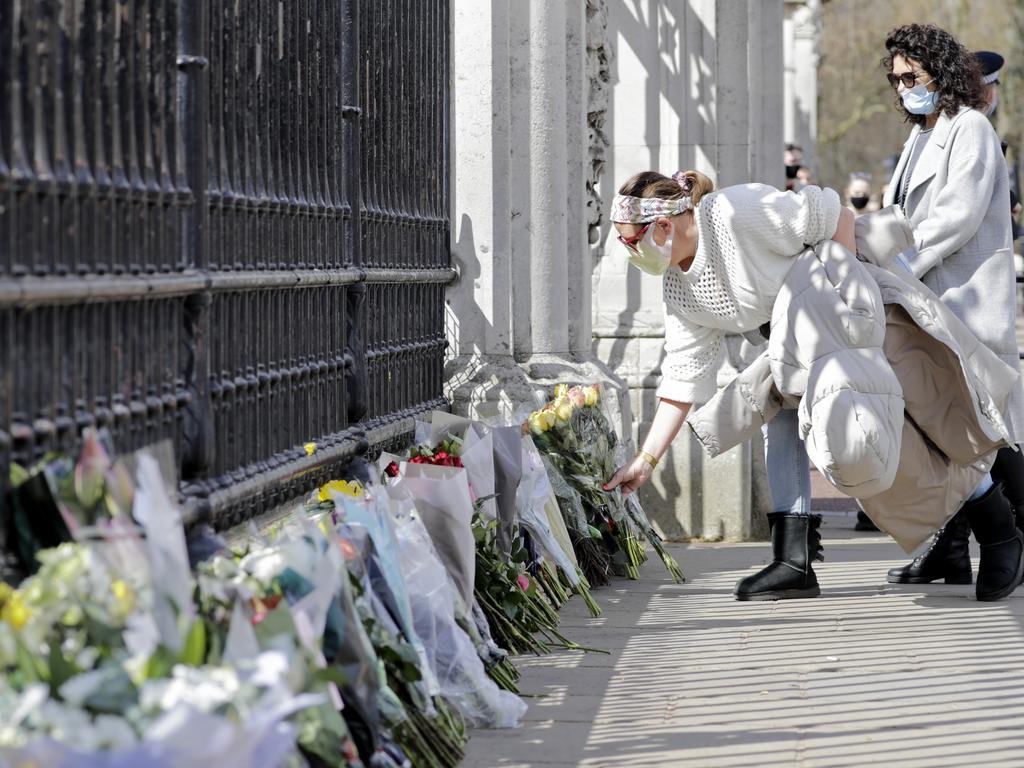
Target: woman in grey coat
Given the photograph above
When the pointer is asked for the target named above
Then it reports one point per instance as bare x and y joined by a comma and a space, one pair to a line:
952, 183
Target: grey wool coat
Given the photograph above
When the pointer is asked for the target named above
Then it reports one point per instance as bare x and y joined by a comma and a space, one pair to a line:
958, 205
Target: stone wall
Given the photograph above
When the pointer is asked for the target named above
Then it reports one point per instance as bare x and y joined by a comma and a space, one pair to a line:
599, 91
695, 84
554, 105
524, 205
801, 33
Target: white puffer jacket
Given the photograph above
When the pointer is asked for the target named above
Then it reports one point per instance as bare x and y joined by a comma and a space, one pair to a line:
825, 348
855, 346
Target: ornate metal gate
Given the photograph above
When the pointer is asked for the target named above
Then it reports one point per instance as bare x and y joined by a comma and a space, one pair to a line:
224, 223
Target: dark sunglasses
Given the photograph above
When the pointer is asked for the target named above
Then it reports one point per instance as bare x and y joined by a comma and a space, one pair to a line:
630, 242
908, 79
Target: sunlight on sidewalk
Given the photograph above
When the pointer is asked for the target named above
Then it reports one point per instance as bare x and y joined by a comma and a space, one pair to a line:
869, 672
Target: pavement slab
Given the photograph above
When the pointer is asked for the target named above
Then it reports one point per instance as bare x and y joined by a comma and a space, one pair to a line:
870, 672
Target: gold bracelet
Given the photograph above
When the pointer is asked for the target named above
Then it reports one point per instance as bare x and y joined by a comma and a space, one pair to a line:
650, 458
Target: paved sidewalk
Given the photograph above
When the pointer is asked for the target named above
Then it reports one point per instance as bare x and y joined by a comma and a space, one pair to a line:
870, 673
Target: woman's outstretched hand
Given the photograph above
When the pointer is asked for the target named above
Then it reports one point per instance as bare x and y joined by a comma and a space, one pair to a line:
630, 476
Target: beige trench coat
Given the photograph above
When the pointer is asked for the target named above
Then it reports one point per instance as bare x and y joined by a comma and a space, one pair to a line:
913, 435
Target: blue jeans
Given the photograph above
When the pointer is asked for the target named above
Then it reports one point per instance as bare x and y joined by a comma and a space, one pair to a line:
789, 470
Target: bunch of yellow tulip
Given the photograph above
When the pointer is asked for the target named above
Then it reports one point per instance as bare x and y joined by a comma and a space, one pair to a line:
558, 413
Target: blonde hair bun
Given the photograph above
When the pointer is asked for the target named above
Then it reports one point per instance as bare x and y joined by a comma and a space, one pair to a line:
694, 184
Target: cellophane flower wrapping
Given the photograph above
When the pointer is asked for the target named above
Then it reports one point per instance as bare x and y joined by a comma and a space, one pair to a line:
443, 501
450, 651
531, 501
372, 511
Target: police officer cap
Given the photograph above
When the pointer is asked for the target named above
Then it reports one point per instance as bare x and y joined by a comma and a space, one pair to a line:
991, 63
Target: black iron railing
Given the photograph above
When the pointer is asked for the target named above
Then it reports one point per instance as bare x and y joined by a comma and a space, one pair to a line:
225, 224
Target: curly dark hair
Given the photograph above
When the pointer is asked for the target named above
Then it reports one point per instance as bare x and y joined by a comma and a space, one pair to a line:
956, 71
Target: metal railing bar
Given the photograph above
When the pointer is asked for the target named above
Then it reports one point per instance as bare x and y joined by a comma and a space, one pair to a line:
30, 291
440, 276
205, 500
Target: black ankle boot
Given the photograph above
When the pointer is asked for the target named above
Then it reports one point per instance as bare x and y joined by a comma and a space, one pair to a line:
946, 558
1002, 545
1008, 471
864, 523
796, 542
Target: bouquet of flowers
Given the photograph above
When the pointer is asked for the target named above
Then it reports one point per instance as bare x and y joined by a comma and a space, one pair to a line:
104, 664
516, 590
573, 431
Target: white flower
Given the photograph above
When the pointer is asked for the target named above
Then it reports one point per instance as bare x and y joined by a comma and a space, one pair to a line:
205, 688
264, 564
270, 669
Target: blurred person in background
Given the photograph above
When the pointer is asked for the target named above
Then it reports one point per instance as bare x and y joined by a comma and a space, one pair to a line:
793, 158
805, 177
858, 193
991, 63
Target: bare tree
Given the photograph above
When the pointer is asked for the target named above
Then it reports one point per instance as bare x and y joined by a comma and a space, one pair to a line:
859, 127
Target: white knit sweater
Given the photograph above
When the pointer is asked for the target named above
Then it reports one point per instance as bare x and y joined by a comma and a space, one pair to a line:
748, 236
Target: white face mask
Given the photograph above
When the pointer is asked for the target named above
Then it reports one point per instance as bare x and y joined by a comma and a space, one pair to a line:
919, 100
650, 257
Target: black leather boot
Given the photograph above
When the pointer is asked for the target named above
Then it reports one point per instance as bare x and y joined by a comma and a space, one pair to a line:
946, 558
796, 542
1008, 470
1002, 545
864, 523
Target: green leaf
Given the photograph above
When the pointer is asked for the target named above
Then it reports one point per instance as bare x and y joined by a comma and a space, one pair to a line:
329, 674
31, 666
159, 664
194, 652
17, 475
322, 731
61, 669
102, 635
511, 606
277, 622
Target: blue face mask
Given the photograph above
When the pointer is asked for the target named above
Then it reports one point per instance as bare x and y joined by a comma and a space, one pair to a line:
919, 100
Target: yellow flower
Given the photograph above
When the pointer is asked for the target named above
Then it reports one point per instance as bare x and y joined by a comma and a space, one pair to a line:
310, 448
591, 394
14, 611
549, 419
353, 489
123, 595
537, 423
563, 412
541, 421
561, 390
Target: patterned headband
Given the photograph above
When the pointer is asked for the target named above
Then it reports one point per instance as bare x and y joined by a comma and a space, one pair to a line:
627, 209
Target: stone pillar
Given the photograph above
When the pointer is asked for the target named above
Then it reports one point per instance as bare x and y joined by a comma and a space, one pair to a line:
765, 61
694, 85
802, 31
519, 313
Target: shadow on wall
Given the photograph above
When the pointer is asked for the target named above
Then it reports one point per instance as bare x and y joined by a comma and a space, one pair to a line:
477, 370
469, 331
680, 77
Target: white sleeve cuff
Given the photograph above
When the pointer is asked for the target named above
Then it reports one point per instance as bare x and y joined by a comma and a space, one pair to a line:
832, 206
687, 391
